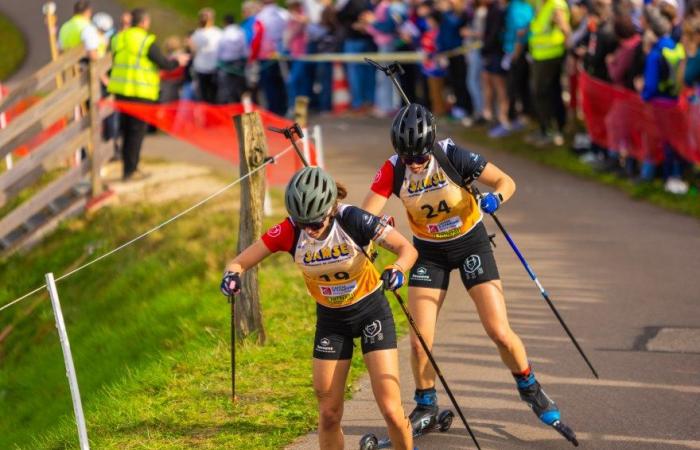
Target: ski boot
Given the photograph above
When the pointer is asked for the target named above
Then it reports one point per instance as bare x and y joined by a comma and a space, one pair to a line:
544, 407
424, 415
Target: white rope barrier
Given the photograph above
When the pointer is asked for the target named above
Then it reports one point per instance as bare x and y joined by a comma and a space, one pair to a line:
152, 230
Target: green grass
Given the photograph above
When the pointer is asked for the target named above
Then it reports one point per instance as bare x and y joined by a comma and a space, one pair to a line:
149, 333
12, 47
563, 158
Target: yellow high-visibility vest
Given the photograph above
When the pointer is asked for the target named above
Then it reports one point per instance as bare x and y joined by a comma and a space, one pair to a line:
133, 73
546, 40
69, 35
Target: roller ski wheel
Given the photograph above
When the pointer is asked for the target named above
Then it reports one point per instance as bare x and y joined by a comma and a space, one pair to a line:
369, 442
444, 420
565, 431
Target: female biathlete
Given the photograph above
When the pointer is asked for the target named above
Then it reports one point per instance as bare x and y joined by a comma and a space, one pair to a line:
327, 241
448, 233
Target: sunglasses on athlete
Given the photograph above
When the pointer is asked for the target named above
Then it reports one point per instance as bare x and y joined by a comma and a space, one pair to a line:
313, 226
419, 159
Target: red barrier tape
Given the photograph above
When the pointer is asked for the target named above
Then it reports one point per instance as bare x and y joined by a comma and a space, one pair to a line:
210, 128
618, 119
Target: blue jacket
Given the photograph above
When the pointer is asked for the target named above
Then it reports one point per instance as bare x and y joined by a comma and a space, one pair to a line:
652, 69
519, 14
449, 37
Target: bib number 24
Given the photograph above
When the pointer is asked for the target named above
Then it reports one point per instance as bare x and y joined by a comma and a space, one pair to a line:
431, 212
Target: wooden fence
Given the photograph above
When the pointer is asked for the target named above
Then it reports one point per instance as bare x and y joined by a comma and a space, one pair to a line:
67, 90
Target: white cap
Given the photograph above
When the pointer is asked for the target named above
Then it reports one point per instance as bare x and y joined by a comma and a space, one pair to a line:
103, 21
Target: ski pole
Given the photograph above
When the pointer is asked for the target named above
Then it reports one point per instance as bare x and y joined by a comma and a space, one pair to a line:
289, 133
391, 71
435, 366
530, 272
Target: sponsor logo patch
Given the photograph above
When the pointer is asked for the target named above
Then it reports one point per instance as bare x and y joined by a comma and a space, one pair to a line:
373, 332
421, 273
472, 267
275, 231
324, 346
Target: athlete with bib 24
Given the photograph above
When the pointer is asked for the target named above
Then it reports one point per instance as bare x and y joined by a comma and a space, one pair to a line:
446, 221
328, 241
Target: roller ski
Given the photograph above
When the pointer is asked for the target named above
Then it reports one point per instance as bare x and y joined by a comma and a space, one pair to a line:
427, 424
425, 418
544, 407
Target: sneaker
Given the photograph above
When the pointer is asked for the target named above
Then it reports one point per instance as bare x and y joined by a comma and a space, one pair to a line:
467, 122
676, 186
589, 157
518, 124
499, 131
136, 175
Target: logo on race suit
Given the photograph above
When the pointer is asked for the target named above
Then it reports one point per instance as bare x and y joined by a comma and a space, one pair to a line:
420, 273
373, 332
367, 218
335, 252
338, 289
324, 346
275, 231
472, 267
435, 181
378, 176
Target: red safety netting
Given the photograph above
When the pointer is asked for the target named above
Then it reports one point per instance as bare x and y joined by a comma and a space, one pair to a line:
210, 128
618, 119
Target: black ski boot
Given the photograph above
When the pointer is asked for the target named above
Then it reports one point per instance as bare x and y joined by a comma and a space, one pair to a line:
544, 407
424, 415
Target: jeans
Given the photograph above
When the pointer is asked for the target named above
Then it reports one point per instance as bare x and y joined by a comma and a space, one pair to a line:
385, 96
273, 86
300, 81
474, 80
361, 76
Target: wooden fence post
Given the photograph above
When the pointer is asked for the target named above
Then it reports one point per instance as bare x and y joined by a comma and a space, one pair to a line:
301, 110
252, 149
95, 127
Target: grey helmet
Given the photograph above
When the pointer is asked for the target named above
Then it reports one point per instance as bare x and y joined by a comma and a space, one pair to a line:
413, 130
310, 194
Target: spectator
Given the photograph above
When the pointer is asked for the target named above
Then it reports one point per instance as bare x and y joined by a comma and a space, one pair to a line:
135, 78
253, 31
474, 36
232, 56
295, 41
353, 21
493, 77
661, 87
385, 21
549, 30
79, 30
433, 68
171, 81
669, 8
580, 10
449, 39
326, 41
517, 22
274, 21
601, 40
205, 44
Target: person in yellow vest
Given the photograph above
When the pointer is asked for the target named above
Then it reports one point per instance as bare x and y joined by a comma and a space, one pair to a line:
448, 232
79, 30
135, 78
548, 33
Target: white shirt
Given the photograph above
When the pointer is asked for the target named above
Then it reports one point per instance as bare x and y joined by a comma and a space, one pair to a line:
274, 20
206, 45
232, 45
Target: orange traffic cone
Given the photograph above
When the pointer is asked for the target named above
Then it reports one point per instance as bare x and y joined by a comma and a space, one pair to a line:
341, 93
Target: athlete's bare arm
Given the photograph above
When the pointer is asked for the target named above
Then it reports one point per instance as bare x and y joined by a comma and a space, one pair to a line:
396, 243
249, 257
498, 181
374, 203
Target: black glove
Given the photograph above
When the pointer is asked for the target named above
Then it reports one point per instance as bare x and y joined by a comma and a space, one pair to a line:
393, 278
231, 283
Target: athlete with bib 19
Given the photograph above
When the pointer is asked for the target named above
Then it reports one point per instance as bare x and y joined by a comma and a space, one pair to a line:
446, 221
328, 241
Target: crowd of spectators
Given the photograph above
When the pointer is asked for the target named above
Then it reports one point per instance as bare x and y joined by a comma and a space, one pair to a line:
494, 63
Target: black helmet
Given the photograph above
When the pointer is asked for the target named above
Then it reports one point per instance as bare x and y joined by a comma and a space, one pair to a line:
310, 195
413, 130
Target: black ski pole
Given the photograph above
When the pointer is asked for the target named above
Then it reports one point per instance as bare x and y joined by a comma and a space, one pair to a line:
391, 71
289, 133
435, 366
530, 272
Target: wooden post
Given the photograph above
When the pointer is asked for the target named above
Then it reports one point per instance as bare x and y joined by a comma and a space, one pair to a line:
252, 149
49, 10
94, 146
301, 110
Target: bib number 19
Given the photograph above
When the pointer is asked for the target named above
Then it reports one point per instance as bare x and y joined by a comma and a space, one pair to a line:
337, 276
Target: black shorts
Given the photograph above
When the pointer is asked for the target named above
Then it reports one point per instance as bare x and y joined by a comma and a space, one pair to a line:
369, 319
471, 254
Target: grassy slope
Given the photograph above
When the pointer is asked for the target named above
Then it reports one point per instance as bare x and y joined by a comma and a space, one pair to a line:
150, 337
562, 158
12, 48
